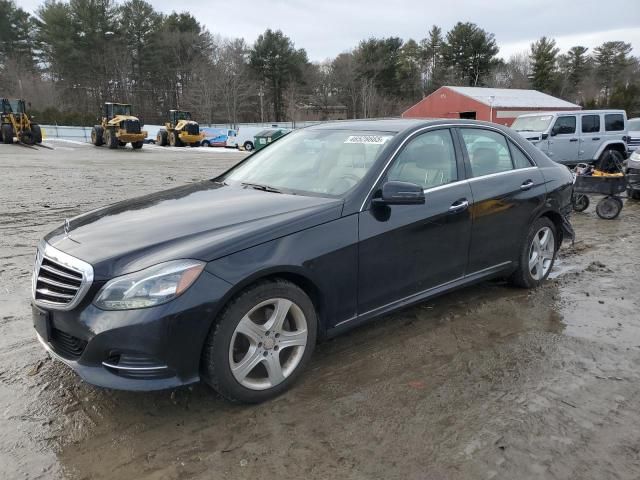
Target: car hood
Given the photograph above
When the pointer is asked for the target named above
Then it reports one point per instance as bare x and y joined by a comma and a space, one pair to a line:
205, 221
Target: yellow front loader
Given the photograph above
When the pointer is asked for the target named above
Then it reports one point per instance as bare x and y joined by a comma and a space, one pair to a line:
179, 131
118, 127
15, 122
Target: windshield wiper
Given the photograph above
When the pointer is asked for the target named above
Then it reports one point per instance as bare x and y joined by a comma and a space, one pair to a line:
258, 186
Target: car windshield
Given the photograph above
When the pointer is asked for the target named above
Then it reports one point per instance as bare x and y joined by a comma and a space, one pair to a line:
121, 110
537, 123
634, 125
325, 162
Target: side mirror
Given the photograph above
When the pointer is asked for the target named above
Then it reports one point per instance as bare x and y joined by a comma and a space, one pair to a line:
555, 130
400, 193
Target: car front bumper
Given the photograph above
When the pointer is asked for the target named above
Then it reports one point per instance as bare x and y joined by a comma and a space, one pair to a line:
147, 349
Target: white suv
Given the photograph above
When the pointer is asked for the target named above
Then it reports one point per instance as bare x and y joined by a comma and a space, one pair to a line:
571, 137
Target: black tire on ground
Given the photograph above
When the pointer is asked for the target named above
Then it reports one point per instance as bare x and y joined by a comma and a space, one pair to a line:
609, 208
205, 143
26, 137
195, 144
110, 138
97, 137
137, 145
215, 364
634, 194
610, 161
523, 277
580, 202
122, 144
174, 139
248, 146
7, 133
37, 133
162, 138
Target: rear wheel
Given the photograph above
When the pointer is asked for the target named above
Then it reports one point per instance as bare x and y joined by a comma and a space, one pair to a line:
7, 133
611, 161
248, 146
174, 139
537, 255
205, 143
97, 135
195, 144
26, 137
110, 138
634, 194
609, 208
137, 145
261, 342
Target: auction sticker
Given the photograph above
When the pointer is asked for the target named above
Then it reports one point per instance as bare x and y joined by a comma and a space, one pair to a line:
368, 139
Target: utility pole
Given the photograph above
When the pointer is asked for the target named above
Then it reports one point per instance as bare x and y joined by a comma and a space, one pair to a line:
261, 95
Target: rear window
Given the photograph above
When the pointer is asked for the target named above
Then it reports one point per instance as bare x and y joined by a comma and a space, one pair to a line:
590, 123
613, 122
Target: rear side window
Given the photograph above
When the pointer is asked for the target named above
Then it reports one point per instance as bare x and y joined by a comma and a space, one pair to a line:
520, 160
488, 151
565, 126
613, 122
590, 123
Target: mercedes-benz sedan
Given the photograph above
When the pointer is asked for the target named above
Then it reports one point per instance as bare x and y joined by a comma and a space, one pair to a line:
234, 280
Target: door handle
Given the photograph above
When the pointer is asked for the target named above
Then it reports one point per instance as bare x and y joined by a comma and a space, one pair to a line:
527, 185
573, 140
595, 139
459, 206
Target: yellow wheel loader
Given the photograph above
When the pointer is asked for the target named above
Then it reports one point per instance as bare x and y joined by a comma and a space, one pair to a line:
15, 122
118, 127
179, 131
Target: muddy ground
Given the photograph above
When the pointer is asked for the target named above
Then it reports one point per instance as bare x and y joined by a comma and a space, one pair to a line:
488, 382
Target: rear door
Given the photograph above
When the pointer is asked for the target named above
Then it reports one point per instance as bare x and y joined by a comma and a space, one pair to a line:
563, 142
506, 189
590, 136
408, 249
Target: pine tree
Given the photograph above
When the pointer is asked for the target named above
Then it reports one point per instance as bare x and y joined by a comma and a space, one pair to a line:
544, 64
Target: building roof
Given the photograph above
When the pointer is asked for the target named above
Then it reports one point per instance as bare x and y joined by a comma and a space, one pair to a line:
512, 97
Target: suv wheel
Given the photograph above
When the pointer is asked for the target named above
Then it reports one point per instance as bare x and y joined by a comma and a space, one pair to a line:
537, 254
261, 342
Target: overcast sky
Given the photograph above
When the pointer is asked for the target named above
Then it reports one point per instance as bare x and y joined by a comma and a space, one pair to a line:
326, 28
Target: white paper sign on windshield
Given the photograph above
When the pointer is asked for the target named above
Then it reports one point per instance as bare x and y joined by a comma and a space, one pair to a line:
368, 139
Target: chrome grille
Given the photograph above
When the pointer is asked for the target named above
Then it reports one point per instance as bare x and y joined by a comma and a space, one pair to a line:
59, 280
634, 141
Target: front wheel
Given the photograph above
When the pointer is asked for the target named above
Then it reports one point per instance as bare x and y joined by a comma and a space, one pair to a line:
580, 202
137, 145
609, 208
7, 133
261, 342
537, 254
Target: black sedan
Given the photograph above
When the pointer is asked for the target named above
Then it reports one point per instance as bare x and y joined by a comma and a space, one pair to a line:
235, 279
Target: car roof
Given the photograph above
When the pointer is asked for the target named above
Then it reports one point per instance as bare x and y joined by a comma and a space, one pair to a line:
571, 112
394, 125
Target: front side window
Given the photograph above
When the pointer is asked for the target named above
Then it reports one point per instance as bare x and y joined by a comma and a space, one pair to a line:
428, 160
590, 123
565, 126
488, 151
324, 162
613, 122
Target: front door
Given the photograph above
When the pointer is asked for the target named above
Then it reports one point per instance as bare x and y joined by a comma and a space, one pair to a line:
507, 188
408, 249
563, 142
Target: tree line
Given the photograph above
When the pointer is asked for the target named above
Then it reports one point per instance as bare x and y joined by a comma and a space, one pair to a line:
67, 58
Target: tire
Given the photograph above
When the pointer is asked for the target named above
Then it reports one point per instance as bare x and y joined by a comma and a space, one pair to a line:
174, 139
110, 139
633, 194
205, 143
609, 158
248, 146
227, 343
137, 145
37, 133
7, 133
609, 208
580, 202
97, 135
195, 144
536, 258
161, 138
26, 137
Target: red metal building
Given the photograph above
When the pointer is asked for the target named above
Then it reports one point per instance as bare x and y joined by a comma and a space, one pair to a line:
499, 105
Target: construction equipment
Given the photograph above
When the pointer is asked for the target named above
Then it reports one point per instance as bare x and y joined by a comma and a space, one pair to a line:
118, 127
180, 130
15, 122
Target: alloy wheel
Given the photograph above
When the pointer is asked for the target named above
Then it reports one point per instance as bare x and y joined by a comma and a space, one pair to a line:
541, 253
268, 344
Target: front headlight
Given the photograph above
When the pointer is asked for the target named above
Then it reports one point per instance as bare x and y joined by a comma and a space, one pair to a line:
151, 286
